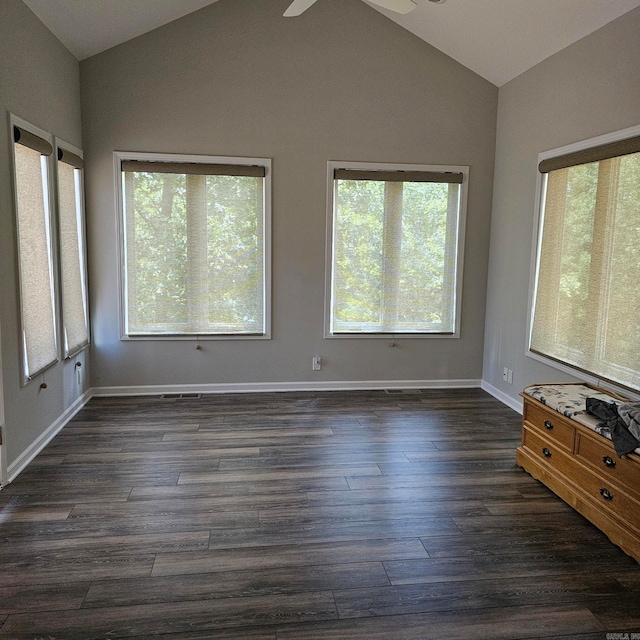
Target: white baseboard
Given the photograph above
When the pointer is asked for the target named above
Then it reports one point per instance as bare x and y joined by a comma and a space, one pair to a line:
513, 403
21, 462
265, 387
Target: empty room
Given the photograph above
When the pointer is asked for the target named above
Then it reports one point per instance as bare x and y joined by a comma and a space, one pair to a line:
319, 319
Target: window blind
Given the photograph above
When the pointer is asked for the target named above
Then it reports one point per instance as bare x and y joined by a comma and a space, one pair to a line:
587, 294
194, 168
400, 176
194, 249
72, 255
394, 252
39, 344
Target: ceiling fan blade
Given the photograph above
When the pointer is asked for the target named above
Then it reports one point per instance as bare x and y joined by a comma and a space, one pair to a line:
399, 6
297, 7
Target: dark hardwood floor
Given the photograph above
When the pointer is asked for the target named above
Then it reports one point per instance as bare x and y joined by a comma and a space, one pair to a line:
299, 516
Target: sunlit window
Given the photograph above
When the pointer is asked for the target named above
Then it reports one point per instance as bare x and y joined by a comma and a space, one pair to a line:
195, 247
587, 296
32, 154
396, 238
73, 281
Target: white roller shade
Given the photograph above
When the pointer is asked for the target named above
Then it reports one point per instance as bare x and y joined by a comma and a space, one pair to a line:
395, 252
194, 249
588, 280
35, 260
72, 266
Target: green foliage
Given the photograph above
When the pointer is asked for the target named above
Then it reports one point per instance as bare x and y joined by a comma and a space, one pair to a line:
575, 258
622, 344
390, 264
597, 300
234, 251
195, 254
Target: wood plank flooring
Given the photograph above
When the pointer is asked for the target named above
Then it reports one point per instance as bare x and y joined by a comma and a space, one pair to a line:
300, 516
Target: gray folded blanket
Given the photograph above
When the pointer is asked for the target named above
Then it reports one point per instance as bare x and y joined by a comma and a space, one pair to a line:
624, 439
630, 414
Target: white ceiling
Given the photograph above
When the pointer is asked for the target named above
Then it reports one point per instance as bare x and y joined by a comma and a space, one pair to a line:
498, 39
87, 27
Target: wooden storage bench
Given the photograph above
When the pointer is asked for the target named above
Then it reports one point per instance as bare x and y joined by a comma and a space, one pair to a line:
561, 448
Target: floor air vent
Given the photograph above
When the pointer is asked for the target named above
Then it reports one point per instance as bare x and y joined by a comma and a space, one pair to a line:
400, 392
181, 396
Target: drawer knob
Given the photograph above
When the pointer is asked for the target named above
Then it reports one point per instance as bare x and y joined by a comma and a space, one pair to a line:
546, 453
548, 424
606, 494
609, 462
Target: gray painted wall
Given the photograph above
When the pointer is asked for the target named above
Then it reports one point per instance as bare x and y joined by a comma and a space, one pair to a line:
341, 82
40, 82
589, 89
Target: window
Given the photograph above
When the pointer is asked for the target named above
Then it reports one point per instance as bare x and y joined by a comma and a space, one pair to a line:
196, 246
396, 249
75, 321
31, 152
587, 289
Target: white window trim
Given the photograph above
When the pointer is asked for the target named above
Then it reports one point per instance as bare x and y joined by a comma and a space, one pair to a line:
538, 217
16, 121
332, 165
118, 157
59, 143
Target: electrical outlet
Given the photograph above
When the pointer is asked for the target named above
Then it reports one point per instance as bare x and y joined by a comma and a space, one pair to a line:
316, 364
505, 374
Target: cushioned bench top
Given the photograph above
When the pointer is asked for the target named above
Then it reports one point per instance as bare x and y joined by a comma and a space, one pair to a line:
568, 399
571, 401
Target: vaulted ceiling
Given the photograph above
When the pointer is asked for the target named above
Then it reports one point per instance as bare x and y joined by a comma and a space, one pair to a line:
498, 39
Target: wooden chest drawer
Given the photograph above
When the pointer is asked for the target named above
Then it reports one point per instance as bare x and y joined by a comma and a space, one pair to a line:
549, 452
608, 495
600, 454
555, 427
579, 465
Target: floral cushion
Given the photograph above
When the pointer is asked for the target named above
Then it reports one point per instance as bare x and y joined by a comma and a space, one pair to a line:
571, 401
568, 399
